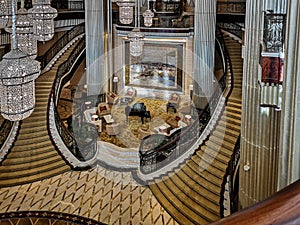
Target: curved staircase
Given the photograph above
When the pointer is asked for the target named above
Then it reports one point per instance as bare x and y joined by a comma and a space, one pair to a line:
191, 193
33, 156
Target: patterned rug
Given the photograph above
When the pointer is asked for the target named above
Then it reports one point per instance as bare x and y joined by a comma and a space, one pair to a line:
129, 135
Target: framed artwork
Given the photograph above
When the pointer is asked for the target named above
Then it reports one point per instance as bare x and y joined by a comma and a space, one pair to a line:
160, 66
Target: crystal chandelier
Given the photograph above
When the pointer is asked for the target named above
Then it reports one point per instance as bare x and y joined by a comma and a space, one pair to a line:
136, 45
17, 75
42, 15
27, 42
5, 12
148, 17
126, 11
136, 37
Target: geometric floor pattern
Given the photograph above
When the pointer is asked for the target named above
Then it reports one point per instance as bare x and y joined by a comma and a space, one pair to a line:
110, 197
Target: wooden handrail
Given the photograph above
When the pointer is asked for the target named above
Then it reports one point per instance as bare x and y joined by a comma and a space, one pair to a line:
280, 208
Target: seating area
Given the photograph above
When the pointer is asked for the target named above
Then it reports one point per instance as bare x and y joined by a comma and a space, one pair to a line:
173, 102
129, 96
103, 109
124, 125
112, 98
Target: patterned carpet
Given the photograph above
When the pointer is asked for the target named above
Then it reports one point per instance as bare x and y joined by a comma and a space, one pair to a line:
129, 135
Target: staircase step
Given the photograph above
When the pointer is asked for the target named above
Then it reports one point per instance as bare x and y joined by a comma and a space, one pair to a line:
187, 175
203, 165
50, 172
169, 206
231, 120
30, 164
32, 140
196, 203
233, 110
220, 148
32, 145
227, 137
198, 177
200, 190
190, 214
230, 126
234, 105
28, 155
232, 115
17, 153
207, 159
11, 173
31, 122
214, 154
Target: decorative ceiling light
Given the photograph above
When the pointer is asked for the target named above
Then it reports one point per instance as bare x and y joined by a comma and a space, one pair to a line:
125, 11
17, 75
136, 37
136, 42
42, 15
5, 12
27, 42
148, 16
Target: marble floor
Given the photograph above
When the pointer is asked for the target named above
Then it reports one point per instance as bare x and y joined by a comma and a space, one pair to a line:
107, 196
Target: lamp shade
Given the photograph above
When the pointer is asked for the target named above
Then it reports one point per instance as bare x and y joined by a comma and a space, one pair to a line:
42, 15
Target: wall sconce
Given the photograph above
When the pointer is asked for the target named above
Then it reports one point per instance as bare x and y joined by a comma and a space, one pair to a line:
246, 167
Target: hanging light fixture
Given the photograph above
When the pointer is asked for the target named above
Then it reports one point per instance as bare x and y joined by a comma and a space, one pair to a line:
148, 16
17, 75
5, 12
136, 37
42, 15
27, 42
126, 11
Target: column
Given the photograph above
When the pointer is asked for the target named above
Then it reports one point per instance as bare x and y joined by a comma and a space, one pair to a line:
204, 51
290, 122
97, 17
260, 125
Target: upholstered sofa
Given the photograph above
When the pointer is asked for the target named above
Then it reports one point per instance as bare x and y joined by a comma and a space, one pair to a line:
112, 98
103, 109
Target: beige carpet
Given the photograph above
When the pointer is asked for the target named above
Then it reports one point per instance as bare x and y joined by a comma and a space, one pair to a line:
129, 136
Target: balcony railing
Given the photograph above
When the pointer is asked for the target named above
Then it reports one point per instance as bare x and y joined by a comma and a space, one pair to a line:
59, 44
274, 32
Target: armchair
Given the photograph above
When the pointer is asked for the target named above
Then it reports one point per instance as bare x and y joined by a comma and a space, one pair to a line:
103, 109
173, 102
112, 98
130, 94
185, 108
